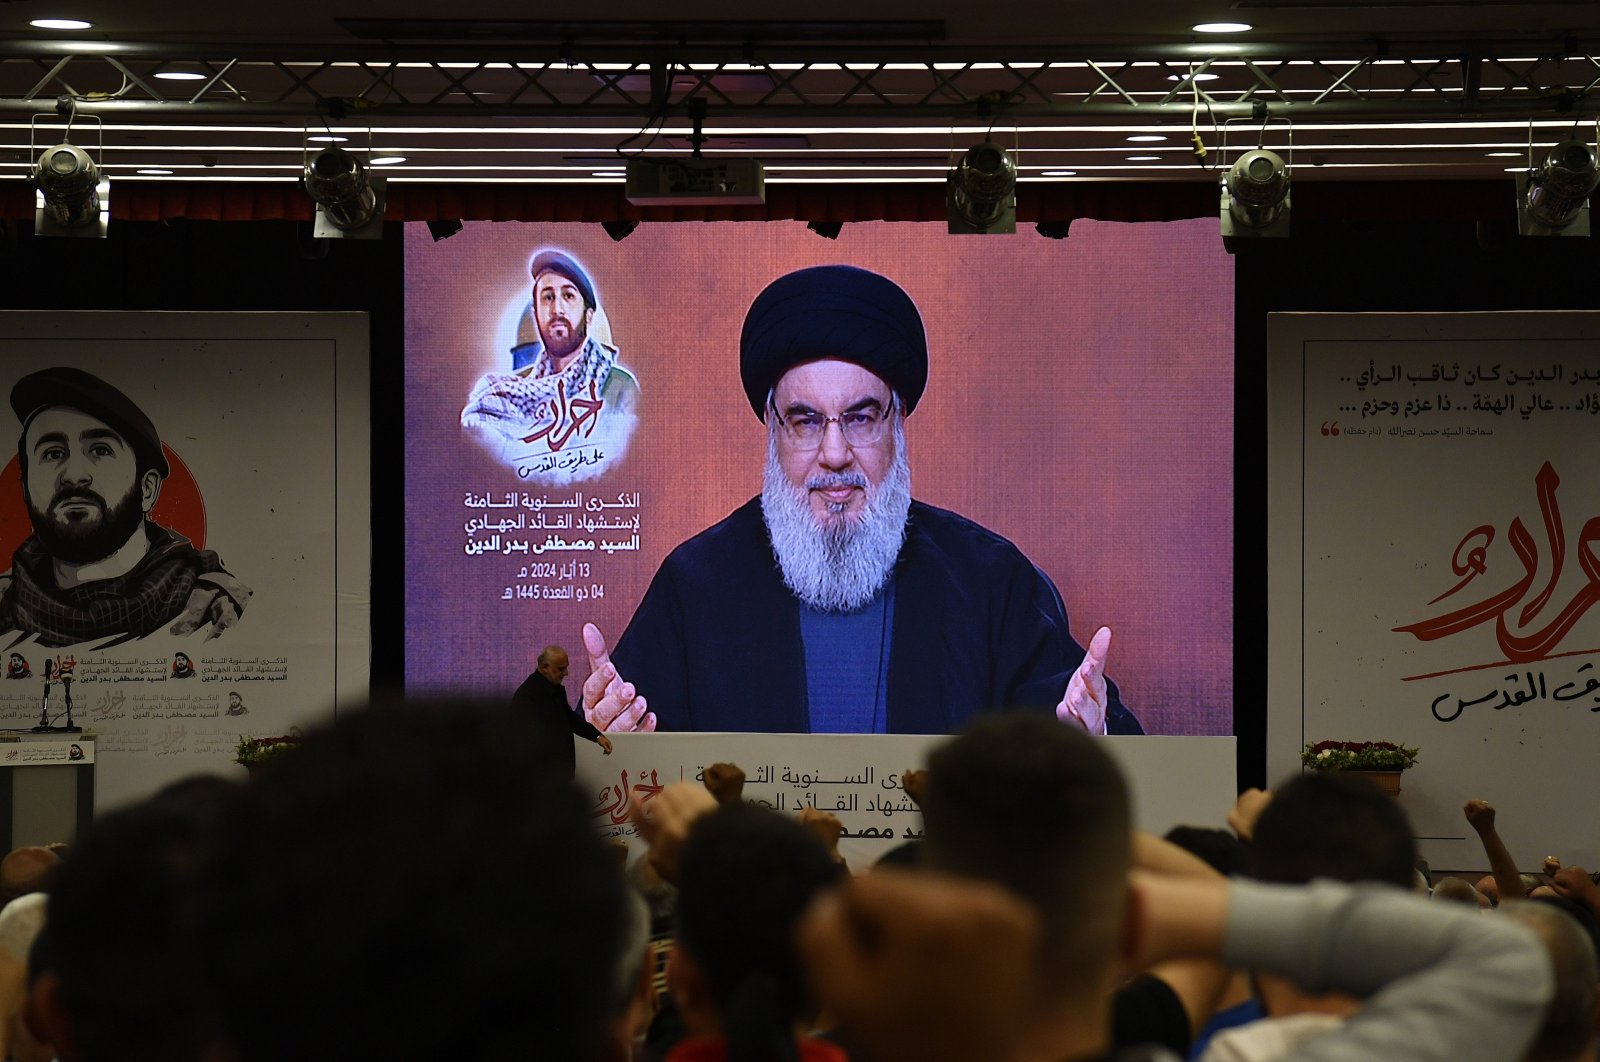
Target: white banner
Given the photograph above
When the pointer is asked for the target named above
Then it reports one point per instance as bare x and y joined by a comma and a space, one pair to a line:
1434, 560
28, 753
256, 510
1175, 780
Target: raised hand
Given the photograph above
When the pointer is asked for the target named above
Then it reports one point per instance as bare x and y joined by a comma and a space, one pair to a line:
609, 703
1084, 703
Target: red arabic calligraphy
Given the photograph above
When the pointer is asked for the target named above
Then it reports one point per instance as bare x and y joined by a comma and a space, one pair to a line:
1538, 643
615, 802
584, 414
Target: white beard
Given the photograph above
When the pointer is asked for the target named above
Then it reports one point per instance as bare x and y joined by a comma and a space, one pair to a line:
839, 564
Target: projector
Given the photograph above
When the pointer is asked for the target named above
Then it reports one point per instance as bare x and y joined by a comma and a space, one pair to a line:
686, 181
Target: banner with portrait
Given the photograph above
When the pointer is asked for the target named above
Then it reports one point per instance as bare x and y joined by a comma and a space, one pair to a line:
1435, 560
185, 531
1079, 403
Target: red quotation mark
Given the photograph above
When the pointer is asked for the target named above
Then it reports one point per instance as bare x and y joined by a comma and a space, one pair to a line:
1330, 427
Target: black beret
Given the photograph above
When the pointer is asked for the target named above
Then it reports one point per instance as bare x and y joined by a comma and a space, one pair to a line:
76, 389
833, 311
548, 261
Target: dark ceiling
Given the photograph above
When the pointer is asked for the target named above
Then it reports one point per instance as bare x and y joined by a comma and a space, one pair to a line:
824, 92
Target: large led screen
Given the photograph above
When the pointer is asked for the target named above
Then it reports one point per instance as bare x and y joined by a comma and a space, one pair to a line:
1079, 403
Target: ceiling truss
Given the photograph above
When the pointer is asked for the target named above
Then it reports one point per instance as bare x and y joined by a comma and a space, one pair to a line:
1128, 88
891, 114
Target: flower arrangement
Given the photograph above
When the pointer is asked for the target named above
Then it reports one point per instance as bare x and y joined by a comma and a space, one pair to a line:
256, 752
1358, 756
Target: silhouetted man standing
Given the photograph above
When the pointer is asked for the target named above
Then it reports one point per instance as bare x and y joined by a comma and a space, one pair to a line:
544, 699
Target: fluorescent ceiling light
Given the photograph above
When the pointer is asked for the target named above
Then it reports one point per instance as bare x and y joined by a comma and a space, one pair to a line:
1519, 126
1059, 173
1144, 158
1146, 138
155, 173
327, 138
386, 160
608, 173
1501, 154
180, 75
61, 24
1196, 77
1222, 27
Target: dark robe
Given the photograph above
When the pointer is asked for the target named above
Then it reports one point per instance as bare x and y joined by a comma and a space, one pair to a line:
715, 644
545, 703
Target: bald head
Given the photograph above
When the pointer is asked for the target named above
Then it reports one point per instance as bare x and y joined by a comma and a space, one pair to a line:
553, 663
1570, 1020
1457, 890
25, 870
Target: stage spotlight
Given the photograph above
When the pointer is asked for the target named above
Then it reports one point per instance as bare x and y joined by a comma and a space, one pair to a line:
828, 230
443, 230
620, 229
980, 193
349, 200
72, 199
1052, 230
1553, 197
1255, 196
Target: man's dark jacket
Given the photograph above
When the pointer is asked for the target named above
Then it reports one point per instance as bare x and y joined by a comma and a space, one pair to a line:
715, 645
545, 704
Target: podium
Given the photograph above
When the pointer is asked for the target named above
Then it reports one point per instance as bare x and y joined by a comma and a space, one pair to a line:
46, 786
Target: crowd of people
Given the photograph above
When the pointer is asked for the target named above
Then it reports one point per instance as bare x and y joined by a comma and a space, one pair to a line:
416, 881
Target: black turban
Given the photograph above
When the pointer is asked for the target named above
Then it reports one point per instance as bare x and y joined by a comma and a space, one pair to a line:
833, 311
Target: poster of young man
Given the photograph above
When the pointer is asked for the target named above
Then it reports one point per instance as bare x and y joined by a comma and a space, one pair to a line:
183, 528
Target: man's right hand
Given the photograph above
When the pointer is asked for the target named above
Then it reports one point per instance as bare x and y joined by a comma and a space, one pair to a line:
1246, 810
1479, 814
725, 781
609, 703
1575, 884
664, 822
916, 965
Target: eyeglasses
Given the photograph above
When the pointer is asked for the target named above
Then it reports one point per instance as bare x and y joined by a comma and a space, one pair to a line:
861, 427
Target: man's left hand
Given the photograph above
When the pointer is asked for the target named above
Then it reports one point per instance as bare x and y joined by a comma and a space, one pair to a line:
604, 743
206, 604
1084, 704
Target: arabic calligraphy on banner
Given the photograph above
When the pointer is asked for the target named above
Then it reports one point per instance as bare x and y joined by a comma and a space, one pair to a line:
1543, 389
794, 791
538, 524
1442, 529
857, 778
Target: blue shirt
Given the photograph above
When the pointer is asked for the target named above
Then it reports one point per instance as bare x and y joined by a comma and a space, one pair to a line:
847, 666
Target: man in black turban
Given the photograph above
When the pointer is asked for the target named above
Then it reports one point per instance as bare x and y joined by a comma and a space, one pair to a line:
834, 603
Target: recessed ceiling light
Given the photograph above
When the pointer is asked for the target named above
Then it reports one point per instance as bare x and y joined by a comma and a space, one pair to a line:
1197, 77
1059, 173
155, 173
181, 75
1144, 158
60, 24
1222, 27
1146, 138
327, 138
387, 160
